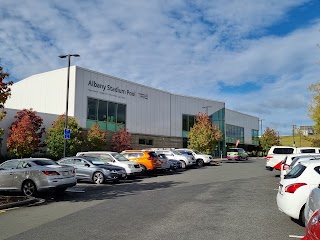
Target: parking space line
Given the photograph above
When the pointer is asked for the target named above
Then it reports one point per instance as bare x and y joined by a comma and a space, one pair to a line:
76, 191
295, 236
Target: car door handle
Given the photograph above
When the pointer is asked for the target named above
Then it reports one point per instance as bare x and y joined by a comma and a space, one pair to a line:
11, 173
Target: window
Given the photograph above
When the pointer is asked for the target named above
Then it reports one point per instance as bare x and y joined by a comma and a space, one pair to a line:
79, 162
185, 123
145, 141
23, 164
112, 110
92, 109
67, 161
12, 164
310, 150
119, 157
295, 172
44, 162
121, 114
102, 110
283, 150
106, 157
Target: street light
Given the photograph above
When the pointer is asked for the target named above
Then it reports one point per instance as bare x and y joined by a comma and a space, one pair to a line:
67, 98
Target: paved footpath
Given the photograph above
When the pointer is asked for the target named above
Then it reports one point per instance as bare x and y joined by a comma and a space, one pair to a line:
231, 201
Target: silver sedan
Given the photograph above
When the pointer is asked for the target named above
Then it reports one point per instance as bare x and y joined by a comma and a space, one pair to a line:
31, 175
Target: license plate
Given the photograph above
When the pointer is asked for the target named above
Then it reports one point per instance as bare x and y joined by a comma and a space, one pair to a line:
66, 173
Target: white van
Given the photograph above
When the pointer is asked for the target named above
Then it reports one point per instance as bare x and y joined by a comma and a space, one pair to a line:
277, 154
116, 159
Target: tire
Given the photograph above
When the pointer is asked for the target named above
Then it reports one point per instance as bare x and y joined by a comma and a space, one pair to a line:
200, 163
98, 178
302, 219
183, 164
29, 188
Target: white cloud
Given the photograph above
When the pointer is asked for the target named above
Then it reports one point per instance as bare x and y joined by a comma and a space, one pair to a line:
186, 47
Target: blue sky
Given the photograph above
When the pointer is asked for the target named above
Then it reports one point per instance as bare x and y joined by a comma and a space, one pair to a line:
257, 56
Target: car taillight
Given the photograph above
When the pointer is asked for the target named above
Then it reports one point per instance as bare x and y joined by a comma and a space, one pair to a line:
151, 158
293, 187
50, 173
285, 166
268, 158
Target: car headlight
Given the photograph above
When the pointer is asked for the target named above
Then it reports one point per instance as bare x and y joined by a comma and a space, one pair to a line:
114, 171
130, 166
314, 220
106, 170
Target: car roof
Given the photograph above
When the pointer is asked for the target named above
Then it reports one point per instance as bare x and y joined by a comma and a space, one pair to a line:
311, 162
109, 152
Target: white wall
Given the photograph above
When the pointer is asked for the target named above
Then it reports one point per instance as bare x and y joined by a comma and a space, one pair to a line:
248, 122
44, 92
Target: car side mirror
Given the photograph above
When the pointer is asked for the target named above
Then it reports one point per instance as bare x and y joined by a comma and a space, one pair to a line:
87, 165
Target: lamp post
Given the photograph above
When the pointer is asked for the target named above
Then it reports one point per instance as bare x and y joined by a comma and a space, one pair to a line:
293, 129
67, 98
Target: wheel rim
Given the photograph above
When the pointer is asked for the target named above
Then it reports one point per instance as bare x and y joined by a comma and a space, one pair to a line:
98, 178
28, 188
183, 164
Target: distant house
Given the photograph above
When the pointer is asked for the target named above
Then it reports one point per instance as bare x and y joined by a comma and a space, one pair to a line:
305, 130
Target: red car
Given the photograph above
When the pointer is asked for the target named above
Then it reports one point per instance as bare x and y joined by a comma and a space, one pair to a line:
313, 227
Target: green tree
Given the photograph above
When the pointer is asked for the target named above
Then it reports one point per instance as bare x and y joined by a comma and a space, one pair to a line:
96, 138
23, 139
55, 137
314, 113
5, 93
203, 137
268, 139
121, 140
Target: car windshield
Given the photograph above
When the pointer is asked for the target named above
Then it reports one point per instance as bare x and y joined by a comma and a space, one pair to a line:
296, 171
94, 160
44, 162
197, 152
119, 157
233, 150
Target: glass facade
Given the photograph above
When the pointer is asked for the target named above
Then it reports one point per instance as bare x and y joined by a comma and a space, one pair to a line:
187, 123
234, 133
255, 137
218, 119
108, 115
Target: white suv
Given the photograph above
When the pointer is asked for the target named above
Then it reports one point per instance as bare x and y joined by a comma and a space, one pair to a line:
200, 157
173, 154
277, 154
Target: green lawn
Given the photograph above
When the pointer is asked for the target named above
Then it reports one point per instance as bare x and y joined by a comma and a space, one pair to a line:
300, 141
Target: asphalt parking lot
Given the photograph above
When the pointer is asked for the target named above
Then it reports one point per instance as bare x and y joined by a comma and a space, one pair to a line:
231, 201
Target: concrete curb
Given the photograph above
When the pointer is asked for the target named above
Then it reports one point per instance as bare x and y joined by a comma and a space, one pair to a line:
29, 200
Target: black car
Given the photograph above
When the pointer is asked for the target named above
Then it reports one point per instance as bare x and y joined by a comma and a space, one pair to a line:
174, 164
94, 169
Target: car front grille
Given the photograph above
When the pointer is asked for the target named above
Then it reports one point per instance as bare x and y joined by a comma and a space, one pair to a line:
136, 166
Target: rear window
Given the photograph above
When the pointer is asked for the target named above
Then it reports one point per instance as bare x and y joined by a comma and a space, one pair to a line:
295, 172
309, 150
233, 150
283, 150
152, 154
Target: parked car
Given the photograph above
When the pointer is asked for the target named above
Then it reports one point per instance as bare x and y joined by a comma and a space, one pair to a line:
173, 164
201, 158
32, 175
312, 204
165, 164
237, 154
186, 160
313, 227
115, 159
94, 169
296, 186
147, 159
289, 161
276, 155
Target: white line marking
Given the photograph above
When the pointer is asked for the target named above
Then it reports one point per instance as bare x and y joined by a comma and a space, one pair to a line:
8, 209
296, 236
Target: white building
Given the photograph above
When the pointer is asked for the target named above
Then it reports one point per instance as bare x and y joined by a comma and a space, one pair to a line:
155, 118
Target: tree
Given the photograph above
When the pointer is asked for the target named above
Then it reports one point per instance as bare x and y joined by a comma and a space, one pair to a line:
5, 93
121, 140
268, 139
55, 138
23, 139
203, 137
314, 113
36, 122
96, 138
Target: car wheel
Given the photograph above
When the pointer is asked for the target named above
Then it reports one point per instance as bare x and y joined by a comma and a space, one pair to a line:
98, 178
29, 188
200, 163
183, 164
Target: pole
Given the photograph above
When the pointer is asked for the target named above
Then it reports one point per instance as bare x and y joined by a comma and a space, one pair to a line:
294, 142
67, 107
